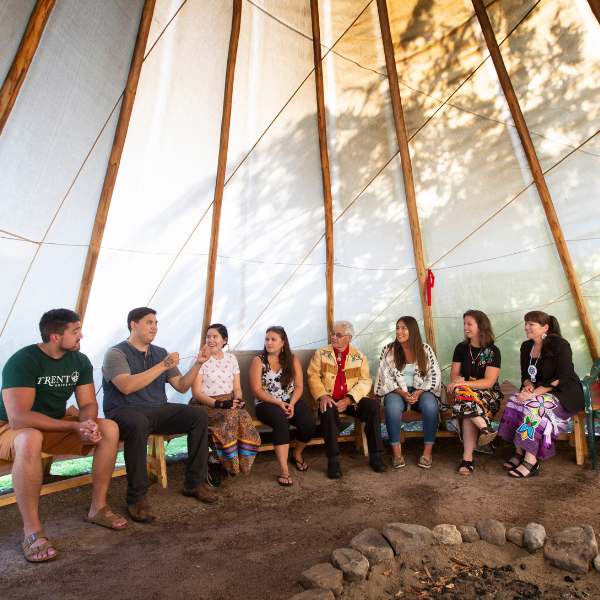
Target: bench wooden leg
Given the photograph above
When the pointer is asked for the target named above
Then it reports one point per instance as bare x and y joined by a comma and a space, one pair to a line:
157, 465
581, 448
360, 438
46, 465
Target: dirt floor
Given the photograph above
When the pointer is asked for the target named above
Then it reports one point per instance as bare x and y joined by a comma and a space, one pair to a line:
255, 542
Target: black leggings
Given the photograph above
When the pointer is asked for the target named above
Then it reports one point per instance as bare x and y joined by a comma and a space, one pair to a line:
273, 416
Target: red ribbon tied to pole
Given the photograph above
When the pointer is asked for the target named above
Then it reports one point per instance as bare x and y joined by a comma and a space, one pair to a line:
430, 284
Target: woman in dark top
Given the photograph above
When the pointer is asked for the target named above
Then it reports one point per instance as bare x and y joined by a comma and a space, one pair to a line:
474, 382
550, 395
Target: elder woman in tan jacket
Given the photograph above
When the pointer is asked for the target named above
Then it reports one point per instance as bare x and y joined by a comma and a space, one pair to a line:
338, 378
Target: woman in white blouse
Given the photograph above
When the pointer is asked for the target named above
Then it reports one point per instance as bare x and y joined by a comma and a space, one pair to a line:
218, 390
409, 378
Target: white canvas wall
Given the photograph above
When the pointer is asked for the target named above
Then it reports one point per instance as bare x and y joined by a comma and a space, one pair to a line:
484, 231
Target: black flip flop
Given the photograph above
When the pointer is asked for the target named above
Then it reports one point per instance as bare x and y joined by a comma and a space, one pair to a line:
287, 483
301, 463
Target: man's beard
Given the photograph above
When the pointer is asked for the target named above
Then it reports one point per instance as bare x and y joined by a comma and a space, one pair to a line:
75, 348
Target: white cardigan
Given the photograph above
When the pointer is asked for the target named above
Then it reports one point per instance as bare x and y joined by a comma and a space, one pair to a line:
390, 379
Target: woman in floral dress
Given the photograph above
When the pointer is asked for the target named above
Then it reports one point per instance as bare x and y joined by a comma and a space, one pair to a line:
474, 383
217, 389
550, 395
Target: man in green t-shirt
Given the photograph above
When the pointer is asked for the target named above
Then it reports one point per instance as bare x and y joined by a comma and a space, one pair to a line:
37, 382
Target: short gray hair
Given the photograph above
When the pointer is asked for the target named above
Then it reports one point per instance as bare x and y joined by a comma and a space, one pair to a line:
348, 327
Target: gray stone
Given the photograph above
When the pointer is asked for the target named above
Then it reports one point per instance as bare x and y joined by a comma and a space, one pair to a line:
469, 534
353, 564
596, 563
491, 531
370, 543
314, 594
535, 537
572, 549
404, 537
323, 576
447, 535
516, 535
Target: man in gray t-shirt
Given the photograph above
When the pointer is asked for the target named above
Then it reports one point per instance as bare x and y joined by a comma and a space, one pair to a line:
134, 375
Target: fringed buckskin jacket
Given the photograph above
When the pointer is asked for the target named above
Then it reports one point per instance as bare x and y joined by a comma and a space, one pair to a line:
323, 370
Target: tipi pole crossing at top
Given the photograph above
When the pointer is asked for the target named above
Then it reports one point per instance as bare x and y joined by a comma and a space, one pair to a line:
20, 65
329, 257
114, 160
538, 177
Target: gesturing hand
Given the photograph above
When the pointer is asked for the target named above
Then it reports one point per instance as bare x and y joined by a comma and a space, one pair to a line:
203, 355
171, 360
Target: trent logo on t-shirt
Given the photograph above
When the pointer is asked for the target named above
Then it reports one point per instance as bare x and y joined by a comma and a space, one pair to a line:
59, 380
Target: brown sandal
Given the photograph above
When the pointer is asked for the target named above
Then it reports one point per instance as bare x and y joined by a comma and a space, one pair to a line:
101, 518
29, 549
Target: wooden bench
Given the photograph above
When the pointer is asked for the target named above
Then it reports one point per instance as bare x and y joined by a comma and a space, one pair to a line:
157, 470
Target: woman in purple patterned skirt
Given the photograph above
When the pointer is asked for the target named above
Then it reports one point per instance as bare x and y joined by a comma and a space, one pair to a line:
550, 395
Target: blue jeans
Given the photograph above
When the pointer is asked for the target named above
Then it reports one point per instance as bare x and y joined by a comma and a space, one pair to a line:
427, 405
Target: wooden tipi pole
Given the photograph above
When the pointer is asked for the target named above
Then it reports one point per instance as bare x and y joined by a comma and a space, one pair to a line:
20, 65
221, 166
595, 6
314, 11
115, 159
538, 177
409, 185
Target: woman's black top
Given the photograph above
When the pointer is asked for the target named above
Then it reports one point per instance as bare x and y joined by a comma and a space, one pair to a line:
474, 361
550, 368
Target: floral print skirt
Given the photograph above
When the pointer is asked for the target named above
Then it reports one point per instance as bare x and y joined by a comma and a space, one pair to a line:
469, 403
534, 425
235, 439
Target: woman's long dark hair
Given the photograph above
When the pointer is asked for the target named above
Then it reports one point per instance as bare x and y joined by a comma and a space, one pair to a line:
538, 316
485, 328
286, 358
416, 347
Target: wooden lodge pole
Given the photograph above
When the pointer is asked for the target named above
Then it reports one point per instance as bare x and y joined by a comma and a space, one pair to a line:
115, 159
221, 166
314, 11
595, 6
409, 185
20, 65
538, 176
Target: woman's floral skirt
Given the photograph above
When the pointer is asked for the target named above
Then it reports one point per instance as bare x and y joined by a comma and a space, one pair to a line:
534, 425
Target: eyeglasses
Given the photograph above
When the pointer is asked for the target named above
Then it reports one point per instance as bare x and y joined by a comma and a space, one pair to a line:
275, 328
337, 335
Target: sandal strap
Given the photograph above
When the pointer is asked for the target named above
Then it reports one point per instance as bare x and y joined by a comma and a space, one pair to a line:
528, 465
34, 536
29, 548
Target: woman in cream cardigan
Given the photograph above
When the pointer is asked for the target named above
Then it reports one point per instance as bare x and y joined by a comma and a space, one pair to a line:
409, 378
